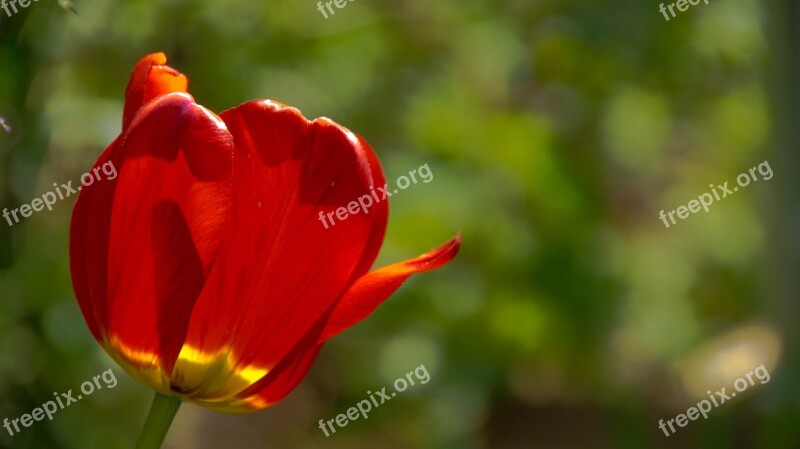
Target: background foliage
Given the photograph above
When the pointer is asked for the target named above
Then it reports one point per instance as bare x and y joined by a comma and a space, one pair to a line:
556, 131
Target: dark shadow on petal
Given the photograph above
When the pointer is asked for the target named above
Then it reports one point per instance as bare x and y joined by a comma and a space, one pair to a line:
179, 278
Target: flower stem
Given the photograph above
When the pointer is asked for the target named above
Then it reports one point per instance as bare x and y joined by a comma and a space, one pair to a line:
162, 411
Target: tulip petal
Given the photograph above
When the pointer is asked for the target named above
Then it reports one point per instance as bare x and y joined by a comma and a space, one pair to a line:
281, 269
151, 78
274, 386
89, 231
380, 210
368, 292
90, 224
160, 233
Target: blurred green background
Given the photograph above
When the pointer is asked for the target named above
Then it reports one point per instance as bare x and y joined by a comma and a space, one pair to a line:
556, 131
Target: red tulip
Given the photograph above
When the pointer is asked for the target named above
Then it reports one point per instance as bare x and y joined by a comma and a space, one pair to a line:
203, 269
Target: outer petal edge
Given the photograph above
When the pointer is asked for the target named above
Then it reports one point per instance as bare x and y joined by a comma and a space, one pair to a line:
369, 291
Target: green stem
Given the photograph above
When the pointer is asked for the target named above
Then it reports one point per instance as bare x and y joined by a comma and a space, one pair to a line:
162, 411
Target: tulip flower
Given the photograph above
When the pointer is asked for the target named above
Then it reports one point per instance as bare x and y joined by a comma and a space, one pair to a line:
202, 268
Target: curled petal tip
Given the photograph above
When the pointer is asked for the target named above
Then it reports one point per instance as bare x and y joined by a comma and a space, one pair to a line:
151, 78
437, 257
369, 291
